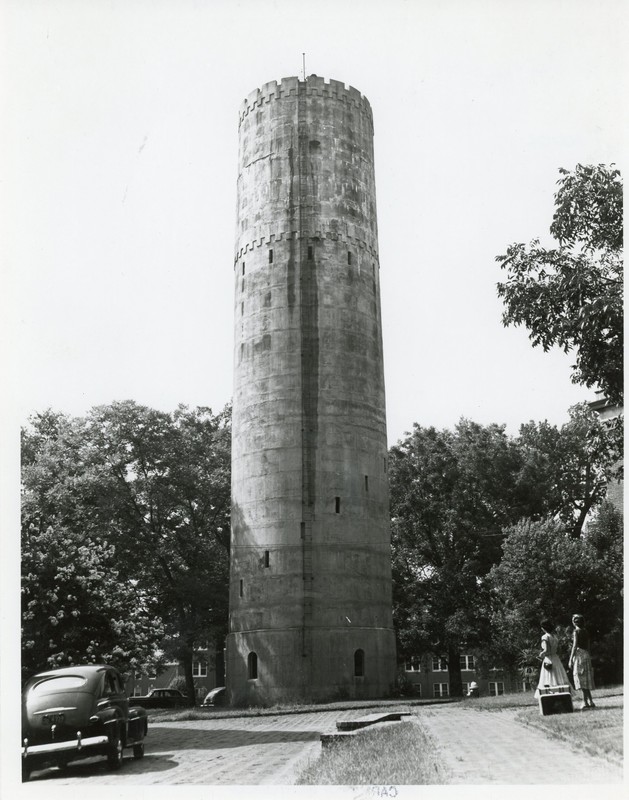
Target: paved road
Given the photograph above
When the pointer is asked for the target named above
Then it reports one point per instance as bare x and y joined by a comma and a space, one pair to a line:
241, 751
478, 747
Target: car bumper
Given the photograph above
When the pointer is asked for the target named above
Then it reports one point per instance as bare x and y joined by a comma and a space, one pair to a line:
76, 745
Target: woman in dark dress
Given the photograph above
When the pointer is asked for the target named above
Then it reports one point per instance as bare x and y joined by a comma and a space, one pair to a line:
580, 661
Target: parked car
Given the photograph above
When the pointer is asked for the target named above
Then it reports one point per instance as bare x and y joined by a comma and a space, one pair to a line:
217, 697
78, 712
162, 698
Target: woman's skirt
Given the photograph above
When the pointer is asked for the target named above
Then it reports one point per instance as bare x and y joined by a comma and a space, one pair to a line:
582, 670
555, 676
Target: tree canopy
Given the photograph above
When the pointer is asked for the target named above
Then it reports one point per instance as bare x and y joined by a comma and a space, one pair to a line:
455, 495
545, 573
571, 296
150, 491
452, 492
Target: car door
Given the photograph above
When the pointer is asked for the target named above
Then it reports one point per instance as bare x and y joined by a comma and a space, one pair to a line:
113, 696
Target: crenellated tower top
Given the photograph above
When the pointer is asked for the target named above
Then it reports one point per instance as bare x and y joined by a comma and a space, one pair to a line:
315, 86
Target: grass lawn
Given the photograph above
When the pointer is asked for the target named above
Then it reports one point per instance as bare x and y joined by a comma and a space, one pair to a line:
598, 731
397, 754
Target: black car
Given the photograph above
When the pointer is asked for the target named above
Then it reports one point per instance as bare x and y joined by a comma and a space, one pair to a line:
78, 712
162, 698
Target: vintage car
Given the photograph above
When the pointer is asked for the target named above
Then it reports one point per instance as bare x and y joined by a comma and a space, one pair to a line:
217, 697
162, 698
78, 712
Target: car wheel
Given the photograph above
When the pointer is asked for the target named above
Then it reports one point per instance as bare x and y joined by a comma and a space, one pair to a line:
138, 750
114, 751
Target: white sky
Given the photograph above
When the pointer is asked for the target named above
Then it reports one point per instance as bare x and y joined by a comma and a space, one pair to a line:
120, 166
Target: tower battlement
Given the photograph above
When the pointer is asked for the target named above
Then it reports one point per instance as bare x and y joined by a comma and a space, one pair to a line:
315, 86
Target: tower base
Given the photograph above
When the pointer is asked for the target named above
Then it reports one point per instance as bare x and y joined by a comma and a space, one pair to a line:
265, 667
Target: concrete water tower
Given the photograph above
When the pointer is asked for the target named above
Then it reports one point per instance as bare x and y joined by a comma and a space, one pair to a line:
310, 589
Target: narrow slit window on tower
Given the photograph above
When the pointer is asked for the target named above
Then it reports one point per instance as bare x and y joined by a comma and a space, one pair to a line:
242, 309
310, 252
270, 256
366, 483
266, 558
252, 666
337, 505
242, 288
349, 257
359, 664
384, 462
243, 267
241, 587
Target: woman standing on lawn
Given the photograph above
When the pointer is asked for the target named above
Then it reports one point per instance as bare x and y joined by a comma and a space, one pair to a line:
552, 672
580, 661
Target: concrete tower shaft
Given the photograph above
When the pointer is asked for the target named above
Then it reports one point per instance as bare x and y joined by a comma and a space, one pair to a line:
310, 593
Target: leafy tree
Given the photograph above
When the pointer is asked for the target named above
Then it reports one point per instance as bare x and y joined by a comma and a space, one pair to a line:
566, 471
75, 607
546, 573
451, 495
157, 487
572, 295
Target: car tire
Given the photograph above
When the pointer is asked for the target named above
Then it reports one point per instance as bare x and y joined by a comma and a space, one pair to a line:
138, 750
114, 751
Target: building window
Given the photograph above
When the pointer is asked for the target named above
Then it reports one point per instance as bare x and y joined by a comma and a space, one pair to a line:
496, 688
241, 587
366, 483
252, 666
413, 664
440, 689
242, 287
243, 267
337, 505
242, 309
465, 686
199, 669
349, 257
417, 689
310, 253
270, 256
266, 558
439, 665
467, 663
359, 664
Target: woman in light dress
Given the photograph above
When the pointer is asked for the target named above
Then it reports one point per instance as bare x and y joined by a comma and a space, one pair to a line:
552, 672
580, 661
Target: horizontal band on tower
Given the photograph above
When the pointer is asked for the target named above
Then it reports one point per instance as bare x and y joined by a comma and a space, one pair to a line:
288, 235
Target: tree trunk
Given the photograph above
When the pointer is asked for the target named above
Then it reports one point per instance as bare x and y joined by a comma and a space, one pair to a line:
454, 672
187, 655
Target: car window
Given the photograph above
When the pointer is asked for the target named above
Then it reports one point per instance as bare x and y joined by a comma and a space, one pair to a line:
62, 683
109, 686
